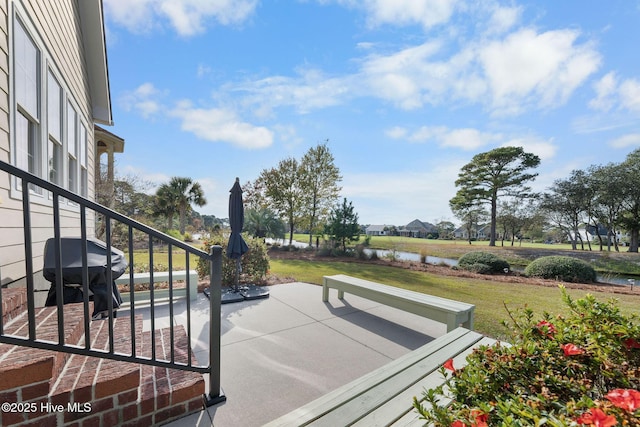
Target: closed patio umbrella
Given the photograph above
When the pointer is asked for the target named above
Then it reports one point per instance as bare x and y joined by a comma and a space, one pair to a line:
236, 247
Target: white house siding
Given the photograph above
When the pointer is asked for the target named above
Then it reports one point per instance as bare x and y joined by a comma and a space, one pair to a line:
57, 26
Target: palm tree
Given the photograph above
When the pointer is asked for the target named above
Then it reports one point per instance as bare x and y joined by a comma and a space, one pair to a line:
186, 193
263, 223
165, 204
177, 196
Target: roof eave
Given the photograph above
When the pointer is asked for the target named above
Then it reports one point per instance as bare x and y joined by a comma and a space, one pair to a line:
93, 39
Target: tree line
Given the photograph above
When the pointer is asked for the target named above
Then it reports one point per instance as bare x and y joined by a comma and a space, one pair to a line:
294, 195
495, 186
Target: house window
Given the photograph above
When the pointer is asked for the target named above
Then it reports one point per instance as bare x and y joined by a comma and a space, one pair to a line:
54, 124
49, 134
72, 149
84, 175
28, 154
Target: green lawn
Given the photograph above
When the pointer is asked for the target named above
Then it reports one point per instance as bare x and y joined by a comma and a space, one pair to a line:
488, 297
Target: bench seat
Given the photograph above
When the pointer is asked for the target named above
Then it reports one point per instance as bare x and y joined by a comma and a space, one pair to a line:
384, 397
450, 312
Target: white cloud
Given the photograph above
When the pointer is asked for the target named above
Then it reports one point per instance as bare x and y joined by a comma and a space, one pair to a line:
544, 149
396, 132
221, 125
605, 90
631, 140
427, 13
203, 70
630, 94
402, 77
465, 138
186, 17
541, 69
503, 19
145, 100
309, 90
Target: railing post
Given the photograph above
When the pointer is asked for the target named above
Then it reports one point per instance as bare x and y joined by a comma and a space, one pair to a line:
215, 295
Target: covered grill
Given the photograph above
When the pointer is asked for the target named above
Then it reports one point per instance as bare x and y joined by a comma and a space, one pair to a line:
71, 251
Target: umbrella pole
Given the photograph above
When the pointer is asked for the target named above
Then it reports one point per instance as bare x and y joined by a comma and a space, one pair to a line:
237, 279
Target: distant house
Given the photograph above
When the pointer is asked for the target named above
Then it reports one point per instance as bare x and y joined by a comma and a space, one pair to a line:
417, 228
377, 230
462, 233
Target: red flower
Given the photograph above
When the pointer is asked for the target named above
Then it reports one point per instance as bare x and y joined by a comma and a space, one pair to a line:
546, 328
458, 423
480, 418
629, 399
571, 350
631, 343
598, 418
449, 365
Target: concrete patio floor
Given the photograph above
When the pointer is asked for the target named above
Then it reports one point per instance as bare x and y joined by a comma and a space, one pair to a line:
284, 351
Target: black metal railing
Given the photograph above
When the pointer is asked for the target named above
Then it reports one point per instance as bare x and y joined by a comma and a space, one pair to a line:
59, 201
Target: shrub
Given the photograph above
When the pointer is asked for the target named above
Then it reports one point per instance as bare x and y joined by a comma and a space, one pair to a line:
572, 369
482, 262
361, 253
255, 263
175, 234
561, 268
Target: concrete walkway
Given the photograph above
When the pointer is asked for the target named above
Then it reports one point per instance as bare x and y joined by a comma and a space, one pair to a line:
284, 351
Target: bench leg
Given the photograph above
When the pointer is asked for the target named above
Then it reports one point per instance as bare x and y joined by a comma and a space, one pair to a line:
340, 294
469, 323
325, 292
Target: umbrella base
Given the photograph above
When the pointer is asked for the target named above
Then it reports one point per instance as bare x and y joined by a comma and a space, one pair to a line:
254, 292
231, 295
243, 293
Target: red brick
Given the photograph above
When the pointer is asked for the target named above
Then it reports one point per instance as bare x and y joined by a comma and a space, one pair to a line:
169, 414
46, 421
61, 398
35, 390
102, 405
147, 406
130, 412
39, 403
35, 372
93, 421
195, 405
128, 397
111, 418
184, 392
9, 396
113, 384
11, 418
74, 416
141, 422
83, 394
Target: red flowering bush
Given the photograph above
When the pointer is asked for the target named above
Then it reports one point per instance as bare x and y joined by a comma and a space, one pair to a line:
578, 368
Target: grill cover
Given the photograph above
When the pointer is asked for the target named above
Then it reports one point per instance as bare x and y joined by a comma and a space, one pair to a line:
72, 271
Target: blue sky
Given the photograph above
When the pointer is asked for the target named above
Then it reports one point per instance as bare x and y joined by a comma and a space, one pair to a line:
405, 91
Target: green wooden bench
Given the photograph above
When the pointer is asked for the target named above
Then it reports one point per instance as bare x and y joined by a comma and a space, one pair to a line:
450, 312
384, 397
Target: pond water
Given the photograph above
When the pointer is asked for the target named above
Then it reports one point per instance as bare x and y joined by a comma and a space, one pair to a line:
613, 279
